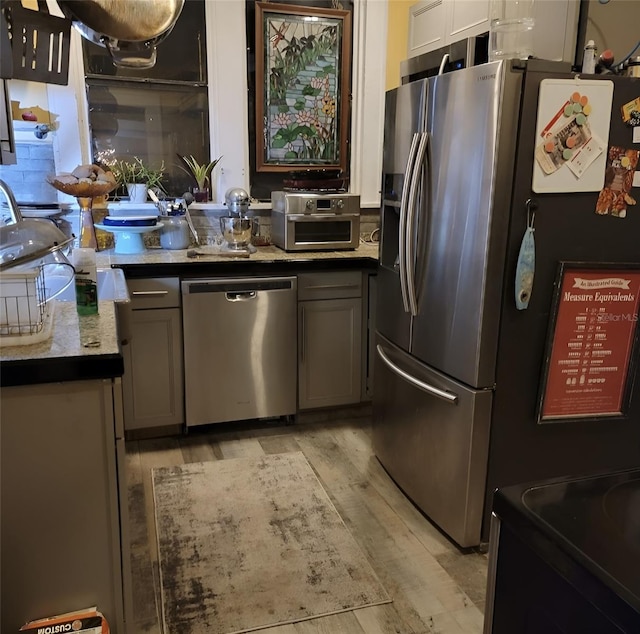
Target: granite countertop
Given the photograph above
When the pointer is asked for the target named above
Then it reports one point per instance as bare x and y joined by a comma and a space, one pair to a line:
215, 260
71, 353
80, 347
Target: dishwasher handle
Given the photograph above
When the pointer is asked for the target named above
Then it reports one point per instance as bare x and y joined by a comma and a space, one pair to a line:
238, 287
241, 296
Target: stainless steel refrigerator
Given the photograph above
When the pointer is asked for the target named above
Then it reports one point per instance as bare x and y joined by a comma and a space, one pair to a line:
459, 366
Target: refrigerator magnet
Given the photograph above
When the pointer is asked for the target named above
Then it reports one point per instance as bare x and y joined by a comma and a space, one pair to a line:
631, 117
615, 196
572, 131
631, 112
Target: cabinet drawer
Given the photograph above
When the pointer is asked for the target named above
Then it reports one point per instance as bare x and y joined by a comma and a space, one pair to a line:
154, 292
329, 285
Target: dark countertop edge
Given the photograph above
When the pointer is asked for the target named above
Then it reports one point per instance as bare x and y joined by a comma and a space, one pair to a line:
34, 371
546, 542
250, 267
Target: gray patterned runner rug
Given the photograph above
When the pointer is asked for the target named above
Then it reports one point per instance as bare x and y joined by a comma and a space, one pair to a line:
246, 544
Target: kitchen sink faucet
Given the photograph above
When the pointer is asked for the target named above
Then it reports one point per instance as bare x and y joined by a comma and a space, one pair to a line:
14, 210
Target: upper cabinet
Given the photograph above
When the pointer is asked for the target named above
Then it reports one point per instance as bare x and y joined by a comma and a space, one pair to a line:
466, 18
436, 23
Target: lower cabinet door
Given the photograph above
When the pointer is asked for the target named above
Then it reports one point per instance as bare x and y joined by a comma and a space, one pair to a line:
153, 382
330, 352
60, 522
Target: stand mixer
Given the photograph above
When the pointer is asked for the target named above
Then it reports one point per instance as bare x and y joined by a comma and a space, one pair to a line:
236, 230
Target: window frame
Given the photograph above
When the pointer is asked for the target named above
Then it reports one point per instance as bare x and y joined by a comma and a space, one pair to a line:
228, 102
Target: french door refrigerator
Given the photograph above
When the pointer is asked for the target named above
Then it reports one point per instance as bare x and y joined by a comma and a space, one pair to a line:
461, 361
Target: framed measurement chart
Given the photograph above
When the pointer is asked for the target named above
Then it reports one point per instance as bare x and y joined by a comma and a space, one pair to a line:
592, 344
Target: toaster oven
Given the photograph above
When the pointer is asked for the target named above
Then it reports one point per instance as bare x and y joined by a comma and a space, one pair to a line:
311, 221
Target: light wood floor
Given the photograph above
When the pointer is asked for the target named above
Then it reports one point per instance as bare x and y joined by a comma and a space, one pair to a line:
435, 587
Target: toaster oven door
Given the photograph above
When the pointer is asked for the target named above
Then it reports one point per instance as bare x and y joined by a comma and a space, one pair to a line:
308, 232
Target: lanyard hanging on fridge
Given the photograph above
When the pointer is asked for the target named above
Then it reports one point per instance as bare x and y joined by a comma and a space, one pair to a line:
525, 269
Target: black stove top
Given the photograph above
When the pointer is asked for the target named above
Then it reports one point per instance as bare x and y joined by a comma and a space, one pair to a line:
596, 519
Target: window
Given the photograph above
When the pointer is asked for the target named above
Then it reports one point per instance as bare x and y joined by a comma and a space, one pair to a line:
156, 113
263, 183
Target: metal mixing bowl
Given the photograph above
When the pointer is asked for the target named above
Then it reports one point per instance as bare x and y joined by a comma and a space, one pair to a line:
236, 231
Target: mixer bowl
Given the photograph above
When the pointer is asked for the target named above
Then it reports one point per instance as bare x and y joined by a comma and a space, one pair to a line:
236, 231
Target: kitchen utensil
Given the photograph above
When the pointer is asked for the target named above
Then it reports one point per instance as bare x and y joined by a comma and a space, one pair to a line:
29, 240
129, 29
30, 209
40, 43
160, 205
188, 199
236, 231
235, 253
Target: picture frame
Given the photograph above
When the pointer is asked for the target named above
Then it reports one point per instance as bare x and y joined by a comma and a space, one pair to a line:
590, 355
302, 81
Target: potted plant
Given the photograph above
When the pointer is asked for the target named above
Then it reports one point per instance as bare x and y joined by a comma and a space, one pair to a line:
137, 178
201, 173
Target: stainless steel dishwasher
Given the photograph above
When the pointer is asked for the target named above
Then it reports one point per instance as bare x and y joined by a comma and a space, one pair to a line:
240, 348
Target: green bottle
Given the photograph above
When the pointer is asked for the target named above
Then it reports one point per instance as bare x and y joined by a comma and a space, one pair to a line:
86, 278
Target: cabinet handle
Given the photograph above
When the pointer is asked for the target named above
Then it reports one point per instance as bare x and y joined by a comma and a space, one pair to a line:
302, 336
150, 293
325, 286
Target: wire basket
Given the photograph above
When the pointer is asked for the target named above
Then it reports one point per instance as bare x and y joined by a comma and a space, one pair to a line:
22, 302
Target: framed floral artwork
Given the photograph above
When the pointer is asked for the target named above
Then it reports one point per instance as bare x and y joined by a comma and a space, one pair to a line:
302, 82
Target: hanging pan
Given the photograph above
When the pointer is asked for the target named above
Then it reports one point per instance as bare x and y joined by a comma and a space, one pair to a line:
129, 29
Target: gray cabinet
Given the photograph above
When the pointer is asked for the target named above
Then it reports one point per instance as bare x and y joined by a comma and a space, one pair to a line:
436, 24
151, 330
7, 141
61, 464
329, 339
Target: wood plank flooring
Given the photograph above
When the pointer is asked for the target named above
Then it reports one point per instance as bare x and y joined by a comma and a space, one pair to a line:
436, 588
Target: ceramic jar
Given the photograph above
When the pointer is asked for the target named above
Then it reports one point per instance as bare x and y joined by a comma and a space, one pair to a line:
175, 232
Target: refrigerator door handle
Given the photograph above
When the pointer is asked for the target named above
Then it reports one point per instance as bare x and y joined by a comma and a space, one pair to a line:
412, 212
403, 223
421, 385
